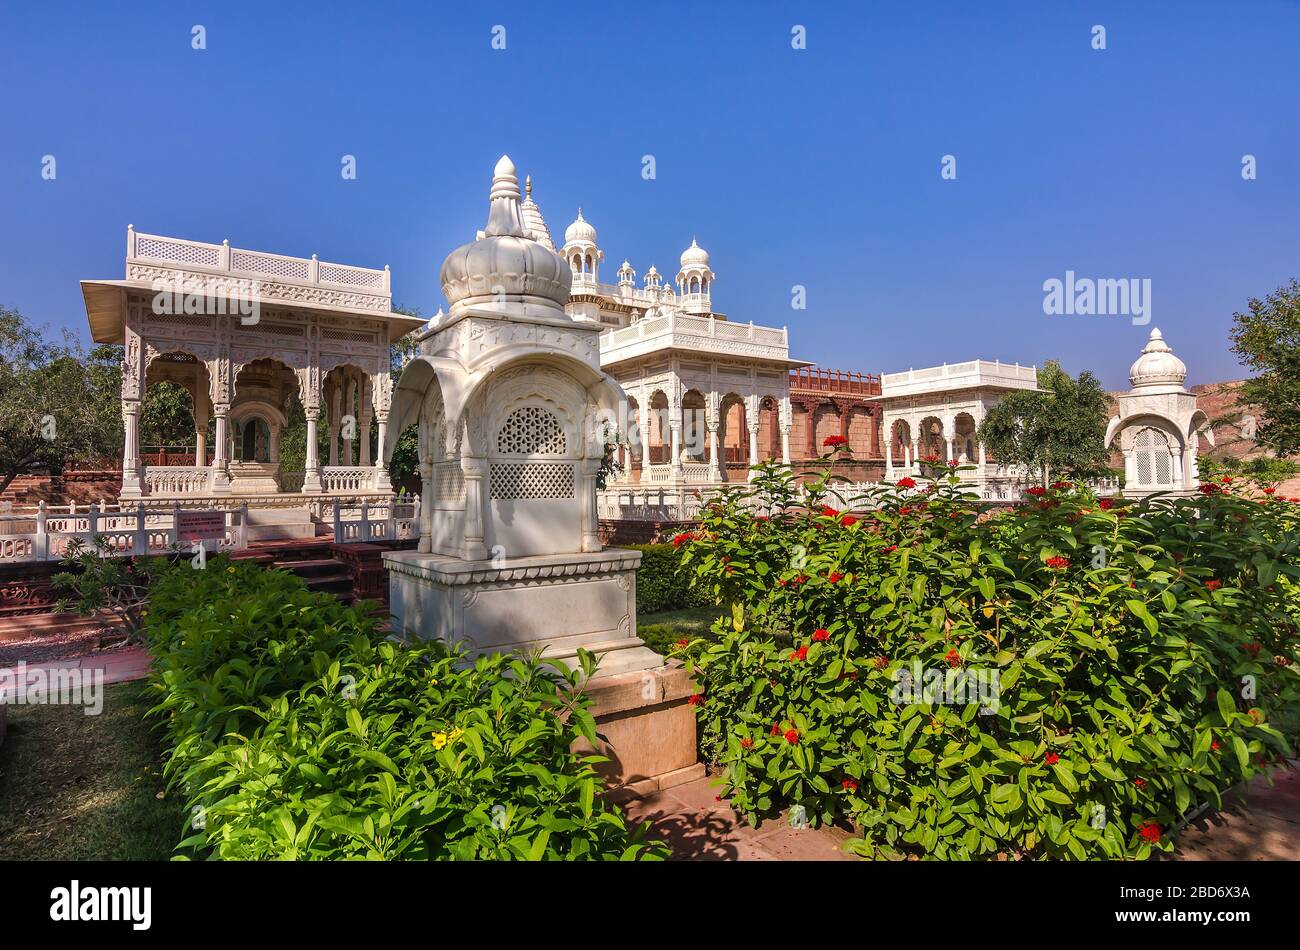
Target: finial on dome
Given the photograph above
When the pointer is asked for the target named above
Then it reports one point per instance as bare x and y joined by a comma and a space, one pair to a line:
528, 186
504, 216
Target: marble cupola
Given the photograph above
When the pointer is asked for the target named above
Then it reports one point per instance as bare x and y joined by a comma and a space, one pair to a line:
512, 408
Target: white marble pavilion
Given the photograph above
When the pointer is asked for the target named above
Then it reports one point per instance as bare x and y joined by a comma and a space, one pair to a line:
247, 333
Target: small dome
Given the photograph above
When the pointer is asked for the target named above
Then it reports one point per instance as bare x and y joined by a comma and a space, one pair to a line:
580, 231
652, 272
1157, 366
504, 265
695, 256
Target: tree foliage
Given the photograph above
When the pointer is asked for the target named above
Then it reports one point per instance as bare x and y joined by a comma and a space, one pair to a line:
54, 408
1058, 429
1267, 339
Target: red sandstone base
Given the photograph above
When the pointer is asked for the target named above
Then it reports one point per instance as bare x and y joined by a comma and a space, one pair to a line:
648, 730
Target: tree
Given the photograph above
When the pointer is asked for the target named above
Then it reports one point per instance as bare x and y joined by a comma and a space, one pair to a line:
1058, 429
53, 408
1267, 339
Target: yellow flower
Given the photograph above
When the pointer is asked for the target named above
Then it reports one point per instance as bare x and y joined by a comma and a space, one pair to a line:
440, 739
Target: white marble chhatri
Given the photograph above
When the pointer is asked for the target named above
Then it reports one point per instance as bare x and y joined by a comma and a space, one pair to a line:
512, 408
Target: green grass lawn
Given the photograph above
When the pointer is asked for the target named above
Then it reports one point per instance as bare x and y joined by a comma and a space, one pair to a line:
77, 787
660, 631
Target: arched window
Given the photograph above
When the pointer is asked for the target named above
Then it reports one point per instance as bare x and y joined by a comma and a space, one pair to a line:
1154, 460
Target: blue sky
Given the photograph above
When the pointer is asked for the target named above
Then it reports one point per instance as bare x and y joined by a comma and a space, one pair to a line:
818, 167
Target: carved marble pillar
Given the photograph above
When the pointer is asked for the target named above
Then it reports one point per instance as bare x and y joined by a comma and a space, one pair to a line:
220, 450
132, 475
426, 507
589, 468
715, 470
474, 470
311, 477
349, 413
675, 429
336, 413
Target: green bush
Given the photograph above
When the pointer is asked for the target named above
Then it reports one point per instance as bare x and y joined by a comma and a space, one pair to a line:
1144, 656
661, 584
297, 732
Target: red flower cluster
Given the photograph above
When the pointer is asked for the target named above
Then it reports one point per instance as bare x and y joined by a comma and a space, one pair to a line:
1036, 491
683, 538
1252, 648
1058, 563
1105, 504
835, 577
696, 699
821, 634
682, 643
1209, 488
1269, 491
799, 655
932, 459
747, 743
848, 521
1140, 782
1213, 585
1150, 832
952, 463
849, 785
835, 441
829, 512
776, 728
881, 662
792, 736
1062, 486
953, 658
889, 549
1051, 758
906, 482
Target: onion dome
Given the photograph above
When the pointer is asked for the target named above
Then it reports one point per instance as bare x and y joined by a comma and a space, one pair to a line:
580, 231
1157, 366
694, 256
505, 265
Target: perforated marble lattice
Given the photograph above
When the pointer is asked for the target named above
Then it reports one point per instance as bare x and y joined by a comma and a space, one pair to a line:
522, 480
531, 430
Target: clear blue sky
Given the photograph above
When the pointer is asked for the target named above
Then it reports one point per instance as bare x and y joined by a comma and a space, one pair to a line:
817, 167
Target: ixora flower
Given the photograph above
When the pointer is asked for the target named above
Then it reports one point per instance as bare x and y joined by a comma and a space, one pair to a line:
1213, 585
829, 512
906, 482
696, 699
1057, 563
834, 441
1209, 488
792, 736
1105, 504
776, 728
1036, 491
799, 654
835, 577
889, 549
849, 785
1270, 490
1140, 782
952, 463
1051, 758
682, 644
953, 658
848, 521
747, 743
881, 662
821, 634
683, 538
1150, 832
